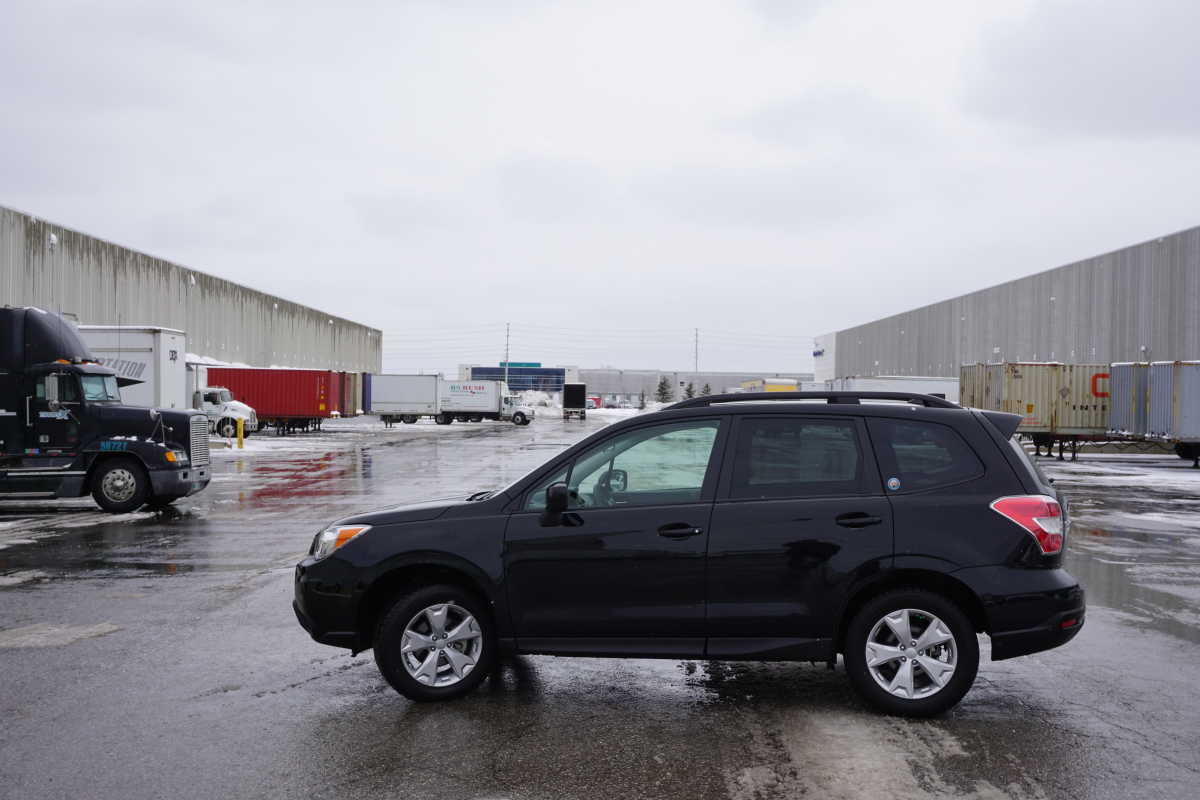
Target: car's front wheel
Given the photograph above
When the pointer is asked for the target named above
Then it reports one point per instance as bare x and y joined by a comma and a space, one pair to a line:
435, 643
911, 652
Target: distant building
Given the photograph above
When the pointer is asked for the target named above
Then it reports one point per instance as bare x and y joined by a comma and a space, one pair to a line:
619, 386
522, 376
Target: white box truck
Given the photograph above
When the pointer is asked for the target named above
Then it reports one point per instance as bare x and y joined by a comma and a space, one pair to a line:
475, 401
148, 354
407, 398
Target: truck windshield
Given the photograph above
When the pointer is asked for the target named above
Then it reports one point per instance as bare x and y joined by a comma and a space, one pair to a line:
226, 396
100, 388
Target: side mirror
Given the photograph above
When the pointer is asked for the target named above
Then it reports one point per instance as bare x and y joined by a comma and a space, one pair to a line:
557, 498
52, 401
617, 480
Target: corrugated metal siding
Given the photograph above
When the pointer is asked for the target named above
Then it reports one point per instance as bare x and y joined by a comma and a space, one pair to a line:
1174, 401
1101, 309
105, 284
1127, 408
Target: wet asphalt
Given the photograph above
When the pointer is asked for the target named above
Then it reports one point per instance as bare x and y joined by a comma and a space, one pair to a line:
148, 656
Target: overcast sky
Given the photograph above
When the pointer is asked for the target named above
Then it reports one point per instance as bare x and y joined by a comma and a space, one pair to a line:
607, 176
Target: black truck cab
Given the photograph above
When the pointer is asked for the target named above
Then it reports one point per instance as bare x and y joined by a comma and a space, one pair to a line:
65, 433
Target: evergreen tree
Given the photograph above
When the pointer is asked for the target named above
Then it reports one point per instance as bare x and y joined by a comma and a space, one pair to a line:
705, 390
690, 391
664, 393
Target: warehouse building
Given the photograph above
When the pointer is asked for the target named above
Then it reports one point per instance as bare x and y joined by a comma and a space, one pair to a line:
628, 384
101, 283
1140, 303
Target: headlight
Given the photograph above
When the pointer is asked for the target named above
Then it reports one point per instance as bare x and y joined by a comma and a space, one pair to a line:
176, 457
331, 539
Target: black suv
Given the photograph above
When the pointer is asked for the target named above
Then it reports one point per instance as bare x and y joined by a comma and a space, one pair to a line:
890, 528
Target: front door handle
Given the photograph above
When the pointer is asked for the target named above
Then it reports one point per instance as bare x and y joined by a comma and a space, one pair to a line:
679, 530
857, 519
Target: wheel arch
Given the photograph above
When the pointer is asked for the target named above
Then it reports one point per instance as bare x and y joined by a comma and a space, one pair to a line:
928, 580
408, 576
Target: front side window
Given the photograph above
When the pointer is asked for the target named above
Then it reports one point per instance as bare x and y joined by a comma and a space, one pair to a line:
788, 457
100, 388
659, 465
924, 454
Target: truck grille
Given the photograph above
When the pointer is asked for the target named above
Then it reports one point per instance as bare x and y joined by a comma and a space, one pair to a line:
199, 443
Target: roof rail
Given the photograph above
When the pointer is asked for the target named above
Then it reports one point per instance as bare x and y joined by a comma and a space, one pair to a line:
853, 398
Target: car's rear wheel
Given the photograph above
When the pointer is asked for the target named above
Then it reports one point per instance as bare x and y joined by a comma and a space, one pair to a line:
435, 643
911, 652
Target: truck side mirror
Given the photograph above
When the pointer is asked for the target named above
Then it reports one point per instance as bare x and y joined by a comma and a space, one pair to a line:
52, 401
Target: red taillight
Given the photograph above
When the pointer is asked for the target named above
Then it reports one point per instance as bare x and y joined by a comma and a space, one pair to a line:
1038, 514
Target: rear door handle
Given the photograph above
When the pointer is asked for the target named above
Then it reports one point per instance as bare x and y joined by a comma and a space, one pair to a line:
857, 519
679, 530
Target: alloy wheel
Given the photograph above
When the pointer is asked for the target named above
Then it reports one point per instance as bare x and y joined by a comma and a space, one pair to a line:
119, 485
441, 645
911, 653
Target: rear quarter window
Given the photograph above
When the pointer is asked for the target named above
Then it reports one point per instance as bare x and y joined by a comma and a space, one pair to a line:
922, 455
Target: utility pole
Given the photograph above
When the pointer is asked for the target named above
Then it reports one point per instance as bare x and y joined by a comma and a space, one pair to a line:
696, 355
507, 330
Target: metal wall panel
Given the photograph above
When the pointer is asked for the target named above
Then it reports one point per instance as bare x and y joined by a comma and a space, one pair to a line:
1174, 401
101, 283
1127, 410
1135, 304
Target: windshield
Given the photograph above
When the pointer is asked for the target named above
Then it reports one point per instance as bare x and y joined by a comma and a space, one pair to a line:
100, 388
226, 396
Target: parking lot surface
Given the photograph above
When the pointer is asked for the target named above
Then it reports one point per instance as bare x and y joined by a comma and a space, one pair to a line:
157, 656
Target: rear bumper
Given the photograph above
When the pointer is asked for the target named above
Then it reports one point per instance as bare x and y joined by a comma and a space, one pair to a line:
179, 482
1027, 610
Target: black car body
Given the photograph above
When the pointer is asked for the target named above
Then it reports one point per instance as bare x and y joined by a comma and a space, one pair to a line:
797, 515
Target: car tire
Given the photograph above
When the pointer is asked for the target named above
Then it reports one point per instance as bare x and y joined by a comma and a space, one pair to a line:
412, 612
120, 485
916, 692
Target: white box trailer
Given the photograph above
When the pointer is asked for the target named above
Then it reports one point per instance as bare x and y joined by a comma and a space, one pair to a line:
921, 384
152, 355
404, 397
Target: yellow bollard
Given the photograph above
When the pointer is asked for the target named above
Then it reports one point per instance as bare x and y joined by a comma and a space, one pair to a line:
241, 423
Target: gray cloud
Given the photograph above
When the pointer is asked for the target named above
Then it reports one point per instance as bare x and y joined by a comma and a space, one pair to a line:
1125, 68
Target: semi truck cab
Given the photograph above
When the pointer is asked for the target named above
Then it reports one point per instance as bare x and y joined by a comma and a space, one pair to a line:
65, 433
223, 411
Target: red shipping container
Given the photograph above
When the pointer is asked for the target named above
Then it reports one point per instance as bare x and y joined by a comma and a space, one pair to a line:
279, 393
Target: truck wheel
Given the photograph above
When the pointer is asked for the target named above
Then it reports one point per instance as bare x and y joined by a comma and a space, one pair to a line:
227, 428
120, 485
520, 419
443, 419
408, 419
911, 652
477, 418
583, 415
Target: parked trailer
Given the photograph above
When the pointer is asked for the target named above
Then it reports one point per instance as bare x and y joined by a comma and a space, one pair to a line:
285, 399
574, 400
1057, 402
403, 398
1128, 410
946, 388
148, 359
1174, 406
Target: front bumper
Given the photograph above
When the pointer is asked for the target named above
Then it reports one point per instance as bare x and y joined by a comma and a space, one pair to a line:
179, 482
323, 609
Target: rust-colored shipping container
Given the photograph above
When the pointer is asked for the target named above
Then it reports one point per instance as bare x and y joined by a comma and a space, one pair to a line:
279, 394
1067, 400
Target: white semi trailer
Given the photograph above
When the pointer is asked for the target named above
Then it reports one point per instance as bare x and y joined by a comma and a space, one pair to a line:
150, 355
407, 398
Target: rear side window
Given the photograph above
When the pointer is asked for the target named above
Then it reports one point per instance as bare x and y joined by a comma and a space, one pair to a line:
922, 455
789, 457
